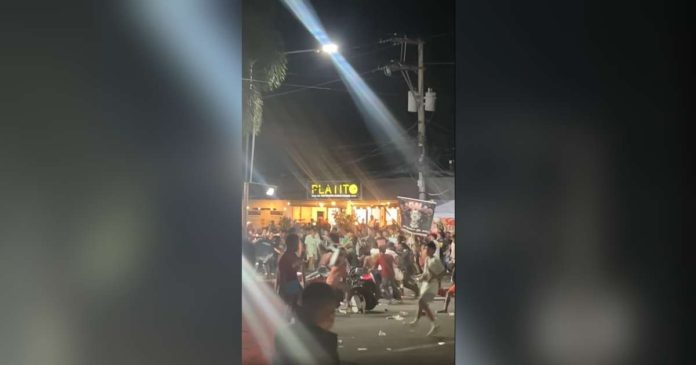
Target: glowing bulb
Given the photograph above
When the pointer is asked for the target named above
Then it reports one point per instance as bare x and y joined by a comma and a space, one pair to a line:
329, 48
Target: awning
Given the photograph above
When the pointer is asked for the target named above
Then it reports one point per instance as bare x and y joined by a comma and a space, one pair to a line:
444, 210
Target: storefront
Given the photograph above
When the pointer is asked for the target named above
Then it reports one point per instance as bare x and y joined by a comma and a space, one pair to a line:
323, 201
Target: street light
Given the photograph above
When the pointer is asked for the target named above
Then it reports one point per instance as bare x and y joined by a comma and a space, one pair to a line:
328, 48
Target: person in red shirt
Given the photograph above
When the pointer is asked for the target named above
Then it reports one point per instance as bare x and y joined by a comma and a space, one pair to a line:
386, 263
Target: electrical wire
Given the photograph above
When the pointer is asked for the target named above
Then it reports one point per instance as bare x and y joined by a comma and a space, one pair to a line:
316, 85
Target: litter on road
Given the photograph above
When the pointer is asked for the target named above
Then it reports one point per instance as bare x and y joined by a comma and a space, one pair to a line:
396, 317
381, 333
362, 348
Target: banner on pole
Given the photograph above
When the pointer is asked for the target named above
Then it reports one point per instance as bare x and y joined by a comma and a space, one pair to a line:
416, 215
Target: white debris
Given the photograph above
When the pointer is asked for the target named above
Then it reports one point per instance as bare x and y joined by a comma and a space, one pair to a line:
440, 343
451, 314
388, 348
403, 313
340, 341
381, 333
396, 317
362, 348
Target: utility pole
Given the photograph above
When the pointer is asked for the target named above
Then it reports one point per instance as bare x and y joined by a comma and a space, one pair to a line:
421, 123
250, 161
419, 95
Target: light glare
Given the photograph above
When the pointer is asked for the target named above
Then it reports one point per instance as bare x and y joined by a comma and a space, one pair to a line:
330, 48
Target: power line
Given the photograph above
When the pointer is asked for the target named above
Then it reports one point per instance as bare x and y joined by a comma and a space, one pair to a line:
291, 85
315, 86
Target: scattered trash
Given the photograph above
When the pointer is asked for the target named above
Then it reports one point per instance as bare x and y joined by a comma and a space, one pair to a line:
362, 348
388, 348
440, 343
340, 341
403, 313
381, 333
451, 314
396, 317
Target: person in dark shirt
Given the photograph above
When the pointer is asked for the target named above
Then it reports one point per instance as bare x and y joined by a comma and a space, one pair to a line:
309, 340
408, 266
287, 281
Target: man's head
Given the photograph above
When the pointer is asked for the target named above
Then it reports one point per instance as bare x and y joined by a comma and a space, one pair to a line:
318, 304
292, 244
381, 242
334, 237
430, 248
382, 248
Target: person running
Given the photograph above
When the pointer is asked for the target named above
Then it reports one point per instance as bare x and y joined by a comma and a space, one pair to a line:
385, 262
287, 281
312, 242
408, 267
432, 273
337, 277
309, 341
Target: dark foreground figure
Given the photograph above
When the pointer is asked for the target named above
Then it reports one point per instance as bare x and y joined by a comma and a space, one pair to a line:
309, 341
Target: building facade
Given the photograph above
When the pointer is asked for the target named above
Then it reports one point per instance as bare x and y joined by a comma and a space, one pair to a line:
367, 201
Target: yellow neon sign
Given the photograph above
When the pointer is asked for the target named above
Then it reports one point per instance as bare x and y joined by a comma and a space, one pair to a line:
345, 190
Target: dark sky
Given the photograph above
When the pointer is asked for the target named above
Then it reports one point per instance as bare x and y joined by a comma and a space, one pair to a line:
324, 127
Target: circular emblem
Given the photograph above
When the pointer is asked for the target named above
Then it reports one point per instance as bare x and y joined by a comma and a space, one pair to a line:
353, 189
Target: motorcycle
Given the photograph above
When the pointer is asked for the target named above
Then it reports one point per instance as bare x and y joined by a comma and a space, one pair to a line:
364, 290
317, 276
362, 284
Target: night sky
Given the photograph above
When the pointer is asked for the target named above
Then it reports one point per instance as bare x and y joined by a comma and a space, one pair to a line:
323, 129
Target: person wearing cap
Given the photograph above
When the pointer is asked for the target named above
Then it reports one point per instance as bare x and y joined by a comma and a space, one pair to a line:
433, 270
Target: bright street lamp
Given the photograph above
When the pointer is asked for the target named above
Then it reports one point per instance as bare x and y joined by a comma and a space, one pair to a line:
270, 191
329, 48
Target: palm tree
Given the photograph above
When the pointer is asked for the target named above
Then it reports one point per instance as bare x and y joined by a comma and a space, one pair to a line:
265, 64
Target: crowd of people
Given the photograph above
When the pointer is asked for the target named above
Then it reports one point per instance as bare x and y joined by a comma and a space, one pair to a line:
361, 245
400, 261
396, 258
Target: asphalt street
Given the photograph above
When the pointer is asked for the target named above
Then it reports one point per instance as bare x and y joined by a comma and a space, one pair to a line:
378, 338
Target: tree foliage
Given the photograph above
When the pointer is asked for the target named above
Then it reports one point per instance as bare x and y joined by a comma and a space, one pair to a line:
344, 221
264, 60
